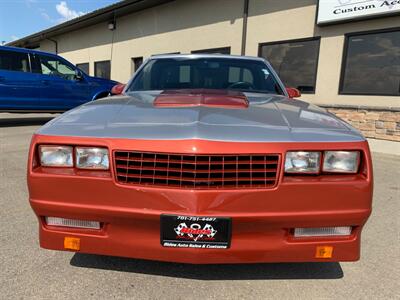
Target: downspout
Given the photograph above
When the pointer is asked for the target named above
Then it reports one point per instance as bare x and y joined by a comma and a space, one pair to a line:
55, 43
114, 27
244, 31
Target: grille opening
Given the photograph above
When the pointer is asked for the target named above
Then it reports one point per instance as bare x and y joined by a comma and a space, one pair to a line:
196, 171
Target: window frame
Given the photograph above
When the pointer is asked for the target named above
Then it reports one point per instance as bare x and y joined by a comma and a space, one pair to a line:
95, 69
166, 53
308, 39
212, 51
279, 87
19, 52
133, 64
86, 63
347, 37
55, 58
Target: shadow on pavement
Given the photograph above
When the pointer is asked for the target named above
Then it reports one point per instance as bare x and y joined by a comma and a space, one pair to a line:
323, 270
20, 121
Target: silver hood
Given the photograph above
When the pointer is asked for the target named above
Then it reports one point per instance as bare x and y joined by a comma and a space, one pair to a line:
269, 118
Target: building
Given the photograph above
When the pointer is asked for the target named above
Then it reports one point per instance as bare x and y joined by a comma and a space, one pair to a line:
342, 54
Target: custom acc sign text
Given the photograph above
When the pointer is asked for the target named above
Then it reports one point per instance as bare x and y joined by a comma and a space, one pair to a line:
331, 11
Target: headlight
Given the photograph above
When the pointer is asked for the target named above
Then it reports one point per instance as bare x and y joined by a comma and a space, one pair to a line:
341, 161
92, 158
302, 162
56, 156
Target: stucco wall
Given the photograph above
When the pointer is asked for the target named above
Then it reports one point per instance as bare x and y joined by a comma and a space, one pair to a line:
183, 26
272, 20
179, 26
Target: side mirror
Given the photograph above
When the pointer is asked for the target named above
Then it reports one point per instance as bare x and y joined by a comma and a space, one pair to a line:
118, 89
293, 93
78, 75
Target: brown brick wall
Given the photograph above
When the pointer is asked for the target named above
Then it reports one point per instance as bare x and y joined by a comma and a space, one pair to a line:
376, 124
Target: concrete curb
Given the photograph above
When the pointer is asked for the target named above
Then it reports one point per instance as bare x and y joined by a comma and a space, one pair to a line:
386, 147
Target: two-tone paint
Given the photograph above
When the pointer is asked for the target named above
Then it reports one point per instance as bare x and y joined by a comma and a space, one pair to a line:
262, 219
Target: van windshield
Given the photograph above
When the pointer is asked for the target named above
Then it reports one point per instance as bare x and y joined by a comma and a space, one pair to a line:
205, 73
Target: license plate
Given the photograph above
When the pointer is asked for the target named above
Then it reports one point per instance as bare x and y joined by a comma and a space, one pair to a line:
195, 232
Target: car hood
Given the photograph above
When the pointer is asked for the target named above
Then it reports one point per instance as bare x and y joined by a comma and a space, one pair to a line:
267, 118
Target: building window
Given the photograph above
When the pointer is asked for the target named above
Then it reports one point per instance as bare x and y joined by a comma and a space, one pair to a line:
224, 50
102, 69
167, 53
14, 61
371, 64
84, 67
295, 62
136, 62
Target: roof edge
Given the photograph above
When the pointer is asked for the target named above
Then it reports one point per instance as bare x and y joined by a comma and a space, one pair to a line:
109, 12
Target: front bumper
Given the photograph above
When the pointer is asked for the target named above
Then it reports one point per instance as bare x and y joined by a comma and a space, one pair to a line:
262, 219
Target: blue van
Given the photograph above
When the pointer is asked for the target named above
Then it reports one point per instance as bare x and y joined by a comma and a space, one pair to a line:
35, 81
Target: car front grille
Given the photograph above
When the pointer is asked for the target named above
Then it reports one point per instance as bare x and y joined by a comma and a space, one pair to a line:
196, 171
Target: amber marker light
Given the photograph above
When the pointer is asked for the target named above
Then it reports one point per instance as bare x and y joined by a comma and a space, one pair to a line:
72, 243
324, 252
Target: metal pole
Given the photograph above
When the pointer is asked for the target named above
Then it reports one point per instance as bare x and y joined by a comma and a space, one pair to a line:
244, 32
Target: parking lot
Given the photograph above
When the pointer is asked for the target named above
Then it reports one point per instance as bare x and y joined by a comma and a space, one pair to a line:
30, 272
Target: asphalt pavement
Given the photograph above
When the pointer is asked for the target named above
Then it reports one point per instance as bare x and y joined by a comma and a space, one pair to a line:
28, 272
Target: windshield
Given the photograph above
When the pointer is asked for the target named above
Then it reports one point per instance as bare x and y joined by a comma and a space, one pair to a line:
205, 73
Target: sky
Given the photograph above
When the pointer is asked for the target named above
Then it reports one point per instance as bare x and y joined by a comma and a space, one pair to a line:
19, 18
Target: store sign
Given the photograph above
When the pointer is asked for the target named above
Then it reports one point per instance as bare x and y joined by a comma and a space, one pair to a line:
330, 11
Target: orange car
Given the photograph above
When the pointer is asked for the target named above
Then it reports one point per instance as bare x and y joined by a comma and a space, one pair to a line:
202, 159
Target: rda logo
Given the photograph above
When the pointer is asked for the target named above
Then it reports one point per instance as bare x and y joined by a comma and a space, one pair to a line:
195, 231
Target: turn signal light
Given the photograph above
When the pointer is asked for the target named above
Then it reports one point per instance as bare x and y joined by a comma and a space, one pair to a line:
324, 252
72, 243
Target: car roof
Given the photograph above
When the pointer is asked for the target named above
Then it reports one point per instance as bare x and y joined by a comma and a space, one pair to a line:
157, 56
24, 50
206, 55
